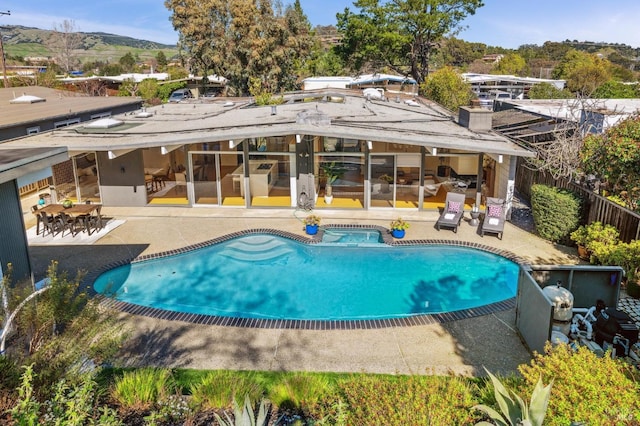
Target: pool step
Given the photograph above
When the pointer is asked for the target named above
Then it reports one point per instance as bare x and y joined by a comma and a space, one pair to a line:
257, 248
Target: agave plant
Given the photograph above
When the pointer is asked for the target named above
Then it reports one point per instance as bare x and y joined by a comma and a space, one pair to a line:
514, 410
244, 416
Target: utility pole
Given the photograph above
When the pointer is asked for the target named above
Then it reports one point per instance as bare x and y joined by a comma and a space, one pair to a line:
4, 64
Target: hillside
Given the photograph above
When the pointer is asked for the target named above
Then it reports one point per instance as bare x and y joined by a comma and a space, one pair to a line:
20, 42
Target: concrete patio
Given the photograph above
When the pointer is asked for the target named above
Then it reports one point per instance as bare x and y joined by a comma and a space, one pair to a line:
460, 347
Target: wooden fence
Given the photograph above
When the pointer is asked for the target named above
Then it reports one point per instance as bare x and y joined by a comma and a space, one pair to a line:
36, 186
598, 208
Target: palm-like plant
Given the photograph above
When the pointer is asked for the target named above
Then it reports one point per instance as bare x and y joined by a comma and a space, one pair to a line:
332, 172
244, 415
514, 410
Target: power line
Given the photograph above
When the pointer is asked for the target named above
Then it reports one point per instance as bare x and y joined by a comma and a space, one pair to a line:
4, 65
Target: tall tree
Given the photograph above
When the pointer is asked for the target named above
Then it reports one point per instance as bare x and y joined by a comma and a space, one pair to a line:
239, 39
63, 43
401, 35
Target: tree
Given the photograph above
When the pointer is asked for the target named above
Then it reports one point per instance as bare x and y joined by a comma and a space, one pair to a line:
63, 42
460, 53
511, 64
127, 62
400, 35
161, 60
584, 72
546, 90
239, 39
614, 157
616, 90
447, 88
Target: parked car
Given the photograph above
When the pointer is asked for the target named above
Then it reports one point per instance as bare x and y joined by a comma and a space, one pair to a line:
180, 95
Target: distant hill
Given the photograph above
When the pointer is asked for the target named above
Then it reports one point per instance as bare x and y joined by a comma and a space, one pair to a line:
20, 41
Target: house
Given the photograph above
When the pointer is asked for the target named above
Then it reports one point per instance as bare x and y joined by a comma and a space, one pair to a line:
389, 82
29, 111
517, 87
231, 153
536, 120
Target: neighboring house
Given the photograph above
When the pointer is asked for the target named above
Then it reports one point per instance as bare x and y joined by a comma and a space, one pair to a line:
32, 109
325, 149
517, 87
389, 82
536, 120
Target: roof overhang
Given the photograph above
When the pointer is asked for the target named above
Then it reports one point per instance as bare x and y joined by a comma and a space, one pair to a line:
15, 163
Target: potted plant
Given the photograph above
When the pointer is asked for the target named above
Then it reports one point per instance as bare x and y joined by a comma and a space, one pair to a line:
592, 237
311, 223
386, 181
332, 172
398, 227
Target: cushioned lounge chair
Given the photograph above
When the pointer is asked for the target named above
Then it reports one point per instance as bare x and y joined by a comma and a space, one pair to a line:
453, 211
494, 217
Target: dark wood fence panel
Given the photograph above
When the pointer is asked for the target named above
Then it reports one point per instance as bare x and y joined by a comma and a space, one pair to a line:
597, 207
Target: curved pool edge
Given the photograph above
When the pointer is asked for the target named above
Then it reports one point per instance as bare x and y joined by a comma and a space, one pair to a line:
414, 320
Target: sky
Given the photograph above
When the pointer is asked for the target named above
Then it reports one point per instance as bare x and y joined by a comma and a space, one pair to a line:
505, 23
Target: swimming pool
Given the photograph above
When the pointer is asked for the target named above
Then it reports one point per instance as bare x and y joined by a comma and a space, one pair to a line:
266, 276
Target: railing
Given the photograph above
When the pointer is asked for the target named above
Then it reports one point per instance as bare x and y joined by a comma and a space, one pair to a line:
35, 186
598, 208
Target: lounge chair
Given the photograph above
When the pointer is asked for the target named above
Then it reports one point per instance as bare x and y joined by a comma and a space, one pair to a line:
453, 211
494, 217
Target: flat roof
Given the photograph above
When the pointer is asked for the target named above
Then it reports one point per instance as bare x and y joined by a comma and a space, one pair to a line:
61, 104
326, 112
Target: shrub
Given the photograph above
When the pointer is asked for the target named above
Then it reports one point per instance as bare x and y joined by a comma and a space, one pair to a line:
219, 389
556, 212
627, 256
408, 400
586, 389
299, 392
140, 389
597, 238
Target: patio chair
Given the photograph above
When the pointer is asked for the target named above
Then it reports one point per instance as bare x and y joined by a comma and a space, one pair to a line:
34, 211
49, 224
94, 221
494, 217
68, 223
453, 211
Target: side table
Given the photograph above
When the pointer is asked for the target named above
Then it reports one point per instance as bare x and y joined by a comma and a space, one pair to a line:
474, 218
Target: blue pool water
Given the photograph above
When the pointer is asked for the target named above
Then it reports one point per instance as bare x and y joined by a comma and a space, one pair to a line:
270, 277
352, 236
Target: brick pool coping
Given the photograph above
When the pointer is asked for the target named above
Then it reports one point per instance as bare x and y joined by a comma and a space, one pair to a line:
414, 320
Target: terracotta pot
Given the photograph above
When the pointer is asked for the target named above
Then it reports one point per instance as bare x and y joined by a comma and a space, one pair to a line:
583, 253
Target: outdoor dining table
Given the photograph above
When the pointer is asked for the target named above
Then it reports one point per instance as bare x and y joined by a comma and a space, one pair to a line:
76, 210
